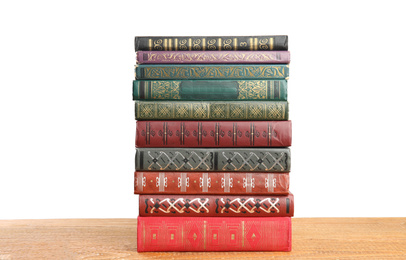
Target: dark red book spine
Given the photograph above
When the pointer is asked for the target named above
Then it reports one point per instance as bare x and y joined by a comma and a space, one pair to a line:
164, 234
213, 133
211, 183
216, 206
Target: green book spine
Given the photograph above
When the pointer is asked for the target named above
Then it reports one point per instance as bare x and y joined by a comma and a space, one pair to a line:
211, 110
211, 43
213, 71
235, 160
250, 90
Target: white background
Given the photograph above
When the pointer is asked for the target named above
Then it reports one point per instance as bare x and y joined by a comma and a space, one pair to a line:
67, 122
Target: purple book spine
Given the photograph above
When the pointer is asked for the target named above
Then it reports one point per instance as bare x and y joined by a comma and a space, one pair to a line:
193, 57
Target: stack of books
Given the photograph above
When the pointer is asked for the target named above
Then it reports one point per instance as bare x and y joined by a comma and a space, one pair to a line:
212, 158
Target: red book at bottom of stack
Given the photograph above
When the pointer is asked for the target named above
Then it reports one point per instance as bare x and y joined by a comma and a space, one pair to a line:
160, 234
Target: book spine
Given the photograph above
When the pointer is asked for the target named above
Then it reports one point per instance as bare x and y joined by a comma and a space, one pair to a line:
212, 71
210, 90
220, 183
219, 43
211, 110
206, 159
166, 234
213, 134
216, 206
196, 57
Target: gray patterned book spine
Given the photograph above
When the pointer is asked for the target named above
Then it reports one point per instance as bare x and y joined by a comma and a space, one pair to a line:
237, 160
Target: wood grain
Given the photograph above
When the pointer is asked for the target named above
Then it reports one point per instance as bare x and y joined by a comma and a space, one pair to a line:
313, 238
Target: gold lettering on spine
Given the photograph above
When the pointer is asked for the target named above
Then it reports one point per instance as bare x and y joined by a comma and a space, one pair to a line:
199, 135
235, 44
204, 234
181, 130
217, 134
219, 44
190, 44
176, 44
242, 233
204, 43
255, 43
251, 44
269, 134
147, 130
150, 44
252, 134
170, 44
165, 133
165, 44
271, 43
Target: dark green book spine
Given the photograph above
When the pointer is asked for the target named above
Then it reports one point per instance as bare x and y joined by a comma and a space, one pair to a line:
250, 90
213, 71
212, 43
211, 110
234, 160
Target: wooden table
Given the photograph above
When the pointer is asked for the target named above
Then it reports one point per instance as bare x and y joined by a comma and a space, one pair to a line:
313, 238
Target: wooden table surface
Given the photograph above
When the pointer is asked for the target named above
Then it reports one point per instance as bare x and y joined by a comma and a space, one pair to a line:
313, 238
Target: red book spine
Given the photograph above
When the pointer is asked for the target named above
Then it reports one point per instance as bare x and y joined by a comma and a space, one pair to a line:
216, 183
216, 206
213, 133
181, 234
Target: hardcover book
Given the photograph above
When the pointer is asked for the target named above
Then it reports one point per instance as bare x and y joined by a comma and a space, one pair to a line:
213, 133
211, 43
212, 71
245, 183
223, 160
214, 234
165, 57
210, 90
216, 205
211, 110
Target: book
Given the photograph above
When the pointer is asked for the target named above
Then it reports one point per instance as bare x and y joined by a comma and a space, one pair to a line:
211, 43
248, 183
210, 90
212, 71
193, 57
211, 110
206, 159
213, 133
216, 205
214, 234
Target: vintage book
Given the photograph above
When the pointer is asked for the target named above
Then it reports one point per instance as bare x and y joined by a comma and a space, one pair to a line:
164, 57
248, 183
211, 43
210, 90
213, 234
205, 159
213, 133
186, 205
212, 71
211, 110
